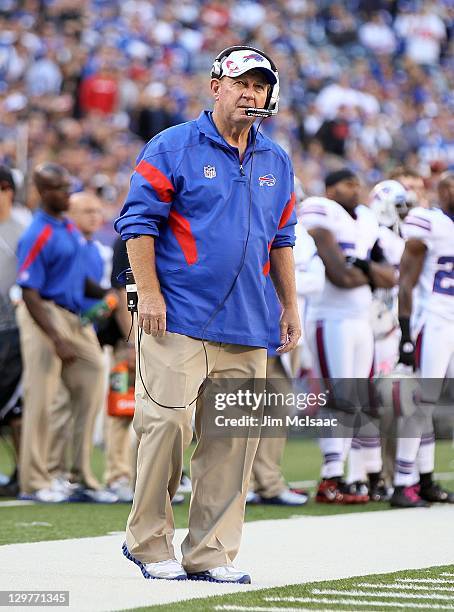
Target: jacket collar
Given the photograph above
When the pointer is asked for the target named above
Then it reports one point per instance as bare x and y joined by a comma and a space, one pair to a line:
207, 126
61, 222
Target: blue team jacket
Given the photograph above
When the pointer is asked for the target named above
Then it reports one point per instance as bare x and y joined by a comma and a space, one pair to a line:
51, 260
190, 190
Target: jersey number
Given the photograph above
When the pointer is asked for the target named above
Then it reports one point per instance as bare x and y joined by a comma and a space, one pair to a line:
444, 279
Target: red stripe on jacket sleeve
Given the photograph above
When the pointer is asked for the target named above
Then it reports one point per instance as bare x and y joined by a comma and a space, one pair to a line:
37, 247
181, 229
160, 183
287, 211
267, 266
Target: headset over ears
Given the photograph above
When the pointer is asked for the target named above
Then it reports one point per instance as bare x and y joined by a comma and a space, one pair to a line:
272, 100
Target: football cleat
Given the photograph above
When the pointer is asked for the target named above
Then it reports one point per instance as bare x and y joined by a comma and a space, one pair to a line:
379, 492
358, 491
434, 493
338, 492
407, 497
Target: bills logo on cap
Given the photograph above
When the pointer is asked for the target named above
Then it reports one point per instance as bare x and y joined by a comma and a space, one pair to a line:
253, 56
268, 180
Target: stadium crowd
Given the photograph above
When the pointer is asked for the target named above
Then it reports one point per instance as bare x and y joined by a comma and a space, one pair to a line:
364, 85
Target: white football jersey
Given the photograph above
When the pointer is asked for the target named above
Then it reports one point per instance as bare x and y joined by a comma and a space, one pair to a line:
436, 230
355, 237
309, 268
392, 245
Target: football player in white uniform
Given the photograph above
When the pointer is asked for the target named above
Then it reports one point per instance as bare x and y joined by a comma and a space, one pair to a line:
388, 201
338, 323
428, 258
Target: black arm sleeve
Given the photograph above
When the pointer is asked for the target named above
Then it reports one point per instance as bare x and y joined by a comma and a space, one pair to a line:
377, 254
120, 262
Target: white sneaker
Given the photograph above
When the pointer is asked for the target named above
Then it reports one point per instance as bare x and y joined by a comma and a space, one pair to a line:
96, 496
170, 569
185, 484
45, 496
224, 573
121, 489
61, 485
252, 498
286, 498
177, 499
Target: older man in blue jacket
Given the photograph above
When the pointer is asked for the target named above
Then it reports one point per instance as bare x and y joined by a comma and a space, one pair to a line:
208, 216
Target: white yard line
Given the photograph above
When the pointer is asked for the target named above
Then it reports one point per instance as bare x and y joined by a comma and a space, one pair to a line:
16, 502
377, 593
303, 483
276, 553
444, 476
359, 602
409, 587
267, 609
425, 580
446, 574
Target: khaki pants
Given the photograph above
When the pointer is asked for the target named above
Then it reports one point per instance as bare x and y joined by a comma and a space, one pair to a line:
42, 373
60, 432
71, 432
266, 478
173, 368
121, 450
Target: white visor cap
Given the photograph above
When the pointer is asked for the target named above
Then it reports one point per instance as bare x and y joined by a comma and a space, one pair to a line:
240, 62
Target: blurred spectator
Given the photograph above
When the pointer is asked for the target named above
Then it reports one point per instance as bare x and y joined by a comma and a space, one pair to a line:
377, 35
99, 92
423, 32
12, 226
334, 132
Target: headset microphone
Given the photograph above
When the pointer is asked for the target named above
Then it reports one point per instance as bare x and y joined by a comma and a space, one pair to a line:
260, 112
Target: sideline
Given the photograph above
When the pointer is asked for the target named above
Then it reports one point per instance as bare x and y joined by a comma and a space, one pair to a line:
279, 552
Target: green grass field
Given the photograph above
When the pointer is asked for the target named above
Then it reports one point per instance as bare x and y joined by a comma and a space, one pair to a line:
348, 594
54, 522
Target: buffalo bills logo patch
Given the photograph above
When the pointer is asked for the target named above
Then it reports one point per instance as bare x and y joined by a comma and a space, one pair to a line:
253, 56
267, 180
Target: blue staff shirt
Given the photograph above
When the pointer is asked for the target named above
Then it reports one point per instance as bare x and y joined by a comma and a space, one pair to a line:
51, 261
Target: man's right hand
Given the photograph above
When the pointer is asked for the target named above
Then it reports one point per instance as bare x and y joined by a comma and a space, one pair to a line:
65, 350
152, 313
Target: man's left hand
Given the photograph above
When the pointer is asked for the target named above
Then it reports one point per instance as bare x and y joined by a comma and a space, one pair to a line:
290, 330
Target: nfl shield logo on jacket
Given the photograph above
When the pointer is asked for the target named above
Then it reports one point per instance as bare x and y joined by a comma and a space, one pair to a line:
209, 171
